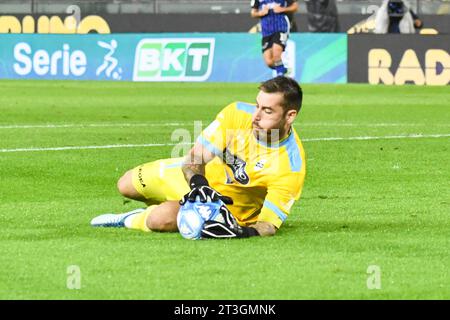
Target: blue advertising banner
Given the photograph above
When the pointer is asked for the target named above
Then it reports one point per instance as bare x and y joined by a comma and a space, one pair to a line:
213, 57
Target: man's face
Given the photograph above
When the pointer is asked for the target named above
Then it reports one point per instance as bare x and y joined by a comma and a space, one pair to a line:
269, 119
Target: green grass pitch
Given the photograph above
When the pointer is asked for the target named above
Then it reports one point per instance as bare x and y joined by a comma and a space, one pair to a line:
376, 194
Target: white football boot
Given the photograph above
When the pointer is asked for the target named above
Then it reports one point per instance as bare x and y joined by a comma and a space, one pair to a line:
113, 220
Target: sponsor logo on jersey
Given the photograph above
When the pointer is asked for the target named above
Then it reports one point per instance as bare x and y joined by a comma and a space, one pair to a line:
237, 165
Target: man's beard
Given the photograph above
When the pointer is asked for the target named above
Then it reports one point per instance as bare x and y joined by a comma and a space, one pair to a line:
269, 136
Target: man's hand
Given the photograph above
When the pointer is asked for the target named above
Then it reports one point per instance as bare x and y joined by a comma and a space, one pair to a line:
418, 23
229, 228
291, 9
264, 11
278, 9
200, 188
255, 13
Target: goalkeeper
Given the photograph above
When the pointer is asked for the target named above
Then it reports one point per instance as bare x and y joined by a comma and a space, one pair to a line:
250, 157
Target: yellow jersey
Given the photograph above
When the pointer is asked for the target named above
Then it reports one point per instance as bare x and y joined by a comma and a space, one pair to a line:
264, 179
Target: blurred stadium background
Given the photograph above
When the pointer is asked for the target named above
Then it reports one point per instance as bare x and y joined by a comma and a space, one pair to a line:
218, 15
375, 126
347, 53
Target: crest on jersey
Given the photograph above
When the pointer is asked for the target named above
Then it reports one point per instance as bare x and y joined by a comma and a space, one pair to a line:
260, 164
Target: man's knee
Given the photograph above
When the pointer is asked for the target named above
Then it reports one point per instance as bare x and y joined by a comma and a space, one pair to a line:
277, 52
161, 223
125, 186
164, 217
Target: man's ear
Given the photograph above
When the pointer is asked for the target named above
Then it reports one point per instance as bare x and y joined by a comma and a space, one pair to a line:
290, 116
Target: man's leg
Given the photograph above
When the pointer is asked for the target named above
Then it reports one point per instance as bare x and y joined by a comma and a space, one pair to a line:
162, 217
154, 182
277, 51
126, 188
160, 184
268, 57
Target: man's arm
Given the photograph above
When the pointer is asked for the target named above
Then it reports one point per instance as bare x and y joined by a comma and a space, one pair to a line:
292, 8
417, 22
194, 172
264, 228
196, 161
255, 13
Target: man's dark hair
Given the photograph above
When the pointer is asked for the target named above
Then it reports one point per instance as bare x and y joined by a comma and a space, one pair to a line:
292, 93
396, 8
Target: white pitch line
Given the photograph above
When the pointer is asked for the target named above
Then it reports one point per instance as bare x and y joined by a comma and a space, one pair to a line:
188, 123
92, 125
112, 146
385, 124
411, 136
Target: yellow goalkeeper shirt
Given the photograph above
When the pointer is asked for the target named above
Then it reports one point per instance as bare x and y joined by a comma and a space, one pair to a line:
264, 179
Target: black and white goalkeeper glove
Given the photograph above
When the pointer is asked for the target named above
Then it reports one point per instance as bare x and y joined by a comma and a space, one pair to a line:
200, 188
229, 228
